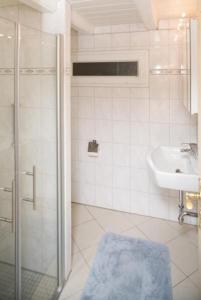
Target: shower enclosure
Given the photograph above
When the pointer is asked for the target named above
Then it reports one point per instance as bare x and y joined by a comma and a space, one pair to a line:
31, 244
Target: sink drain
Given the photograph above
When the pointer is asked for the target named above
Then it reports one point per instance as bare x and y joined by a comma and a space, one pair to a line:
178, 171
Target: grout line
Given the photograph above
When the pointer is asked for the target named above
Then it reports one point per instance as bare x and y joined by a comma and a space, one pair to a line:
75, 226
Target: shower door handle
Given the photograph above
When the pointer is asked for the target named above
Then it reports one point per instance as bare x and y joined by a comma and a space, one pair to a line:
8, 220
27, 199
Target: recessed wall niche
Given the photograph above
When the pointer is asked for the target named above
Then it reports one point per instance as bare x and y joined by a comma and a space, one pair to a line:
124, 68
111, 68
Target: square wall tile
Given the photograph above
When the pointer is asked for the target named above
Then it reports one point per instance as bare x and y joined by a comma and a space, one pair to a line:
121, 92
140, 110
121, 110
85, 91
159, 87
104, 130
121, 177
139, 156
86, 129
121, 154
139, 203
159, 38
120, 40
140, 180
102, 41
103, 92
159, 135
85, 108
105, 155
121, 199
103, 109
140, 133
104, 196
159, 58
160, 111
121, 132
179, 134
85, 42
104, 175
140, 39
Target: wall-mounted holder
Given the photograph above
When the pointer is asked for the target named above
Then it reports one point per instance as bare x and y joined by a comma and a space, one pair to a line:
93, 148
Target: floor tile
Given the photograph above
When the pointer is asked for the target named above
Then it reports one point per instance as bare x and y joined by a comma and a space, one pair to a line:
80, 214
137, 219
177, 275
75, 248
76, 296
90, 224
181, 228
110, 221
196, 278
192, 235
184, 254
78, 277
158, 230
87, 234
89, 254
135, 233
186, 290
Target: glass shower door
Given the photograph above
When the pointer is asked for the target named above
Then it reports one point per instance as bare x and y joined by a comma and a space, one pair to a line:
7, 190
38, 164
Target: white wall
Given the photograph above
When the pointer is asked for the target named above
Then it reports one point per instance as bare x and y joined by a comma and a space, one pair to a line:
128, 122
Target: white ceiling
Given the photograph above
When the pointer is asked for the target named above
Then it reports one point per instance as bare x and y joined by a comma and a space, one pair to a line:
149, 12
174, 8
4, 3
103, 12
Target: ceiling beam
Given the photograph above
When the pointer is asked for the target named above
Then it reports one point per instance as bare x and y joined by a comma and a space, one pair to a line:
148, 13
80, 23
44, 6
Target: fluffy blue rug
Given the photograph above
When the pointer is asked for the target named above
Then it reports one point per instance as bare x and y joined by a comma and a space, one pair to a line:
129, 269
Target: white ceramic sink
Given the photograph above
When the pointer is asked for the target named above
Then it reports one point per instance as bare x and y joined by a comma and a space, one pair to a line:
173, 169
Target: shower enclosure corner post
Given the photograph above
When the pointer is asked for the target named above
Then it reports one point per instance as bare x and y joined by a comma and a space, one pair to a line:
63, 164
17, 168
61, 212
58, 108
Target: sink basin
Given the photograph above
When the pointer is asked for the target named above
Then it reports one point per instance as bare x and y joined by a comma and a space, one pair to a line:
173, 169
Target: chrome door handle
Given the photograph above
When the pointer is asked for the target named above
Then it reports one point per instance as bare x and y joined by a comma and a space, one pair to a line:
27, 199
8, 220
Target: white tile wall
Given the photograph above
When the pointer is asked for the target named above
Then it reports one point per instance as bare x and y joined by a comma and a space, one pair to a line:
128, 122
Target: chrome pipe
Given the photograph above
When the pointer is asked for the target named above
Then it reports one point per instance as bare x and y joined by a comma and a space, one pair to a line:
182, 212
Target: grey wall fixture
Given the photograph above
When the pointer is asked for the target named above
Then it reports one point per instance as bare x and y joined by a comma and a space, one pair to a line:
129, 68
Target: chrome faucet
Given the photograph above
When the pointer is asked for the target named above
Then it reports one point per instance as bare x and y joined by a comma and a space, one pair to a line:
190, 147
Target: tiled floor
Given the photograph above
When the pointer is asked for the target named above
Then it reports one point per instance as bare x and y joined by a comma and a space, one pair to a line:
90, 223
35, 286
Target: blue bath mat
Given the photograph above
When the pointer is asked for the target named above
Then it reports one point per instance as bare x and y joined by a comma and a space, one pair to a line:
129, 269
